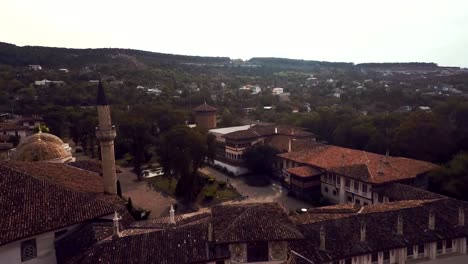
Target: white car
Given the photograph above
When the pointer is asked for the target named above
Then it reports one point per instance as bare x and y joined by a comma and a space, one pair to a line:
152, 173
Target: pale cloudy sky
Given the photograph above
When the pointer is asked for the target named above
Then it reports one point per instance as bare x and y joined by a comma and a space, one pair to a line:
332, 30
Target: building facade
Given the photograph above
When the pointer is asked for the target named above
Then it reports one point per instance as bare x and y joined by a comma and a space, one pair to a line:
205, 116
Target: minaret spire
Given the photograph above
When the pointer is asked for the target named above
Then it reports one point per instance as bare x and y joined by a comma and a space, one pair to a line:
106, 134
101, 96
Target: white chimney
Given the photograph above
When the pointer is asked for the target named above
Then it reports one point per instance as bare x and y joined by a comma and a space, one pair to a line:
363, 232
431, 220
461, 216
322, 238
289, 145
400, 225
116, 226
210, 232
276, 130
171, 215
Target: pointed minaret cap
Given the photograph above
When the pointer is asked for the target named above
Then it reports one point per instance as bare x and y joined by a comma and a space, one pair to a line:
171, 215
101, 95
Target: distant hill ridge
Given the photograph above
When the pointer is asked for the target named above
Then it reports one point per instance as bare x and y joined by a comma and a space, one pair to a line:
53, 57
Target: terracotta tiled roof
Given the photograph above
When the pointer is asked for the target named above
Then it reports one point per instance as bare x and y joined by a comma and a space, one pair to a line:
68, 177
398, 192
91, 165
342, 235
11, 127
365, 166
33, 205
171, 246
140, 227
70, 248
252, 222
304, 171
64, 175
205, 108
268, 130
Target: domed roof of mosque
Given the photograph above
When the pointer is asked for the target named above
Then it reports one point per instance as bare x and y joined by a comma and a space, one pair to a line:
40, 136
40, 150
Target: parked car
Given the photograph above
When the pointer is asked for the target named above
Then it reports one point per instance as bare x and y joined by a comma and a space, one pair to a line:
152, 173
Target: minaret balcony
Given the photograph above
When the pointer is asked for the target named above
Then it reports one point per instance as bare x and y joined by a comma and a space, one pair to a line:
106, 134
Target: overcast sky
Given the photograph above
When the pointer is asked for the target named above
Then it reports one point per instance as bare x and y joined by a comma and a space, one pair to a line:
331, 30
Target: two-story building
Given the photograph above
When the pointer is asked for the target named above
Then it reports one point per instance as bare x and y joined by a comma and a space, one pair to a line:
353, 176
283, 138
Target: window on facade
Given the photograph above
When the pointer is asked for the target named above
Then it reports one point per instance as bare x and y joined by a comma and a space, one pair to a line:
421, 249
333, 178
375, 258
356, 186
325, 189
364, 188
28, 250
358, 201
338, 180
257, 252
350, 199
348, 261
448, 244
348, 183
334, 193
386, 255
380, 198
440, 245
409, 251
365, 204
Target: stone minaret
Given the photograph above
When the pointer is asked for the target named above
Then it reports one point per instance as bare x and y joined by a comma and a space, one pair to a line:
106, 134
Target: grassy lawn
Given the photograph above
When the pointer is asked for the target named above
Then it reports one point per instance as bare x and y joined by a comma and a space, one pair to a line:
218, 190
219, 193
163, 184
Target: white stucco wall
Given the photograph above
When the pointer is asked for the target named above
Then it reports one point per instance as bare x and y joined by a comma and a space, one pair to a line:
11, 253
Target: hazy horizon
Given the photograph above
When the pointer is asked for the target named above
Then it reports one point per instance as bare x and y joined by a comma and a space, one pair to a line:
361, 31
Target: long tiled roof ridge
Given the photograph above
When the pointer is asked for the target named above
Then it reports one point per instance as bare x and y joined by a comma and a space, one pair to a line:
268, 130
61, 174
380, 168
23, 197
11, 126
205, 108
174, 246
304, 171
252, 222
397, 191
342, 234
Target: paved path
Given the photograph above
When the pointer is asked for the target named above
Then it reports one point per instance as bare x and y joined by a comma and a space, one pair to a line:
143, 196
271, 193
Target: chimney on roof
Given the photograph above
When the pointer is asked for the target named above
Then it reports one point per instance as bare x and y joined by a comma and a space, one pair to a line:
276, 130
380, 170
289, 145
210, 232
431, 220
322, 238
363, 231
116, 226
461, 216
171, 215
400, 225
